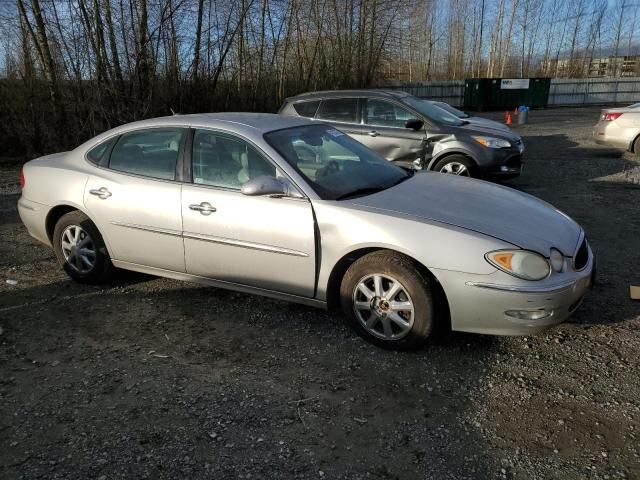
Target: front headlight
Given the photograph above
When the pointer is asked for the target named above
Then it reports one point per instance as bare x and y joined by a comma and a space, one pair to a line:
520, 263
491, 142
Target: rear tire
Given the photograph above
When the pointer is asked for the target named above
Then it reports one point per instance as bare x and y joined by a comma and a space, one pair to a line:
456, 165
387, 301
80, 249
636, 148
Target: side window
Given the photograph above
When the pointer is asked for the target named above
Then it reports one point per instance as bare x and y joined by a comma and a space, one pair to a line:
152, 152
225, 161
96, 153
306, 109
339, 110
386, 114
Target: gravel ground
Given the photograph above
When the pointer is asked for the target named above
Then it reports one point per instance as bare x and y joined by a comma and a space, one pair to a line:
152, 378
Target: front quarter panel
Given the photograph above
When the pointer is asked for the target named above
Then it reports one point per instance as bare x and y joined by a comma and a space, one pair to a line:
345, 228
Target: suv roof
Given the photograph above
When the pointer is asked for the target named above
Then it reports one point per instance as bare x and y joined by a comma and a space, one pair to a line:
348, 93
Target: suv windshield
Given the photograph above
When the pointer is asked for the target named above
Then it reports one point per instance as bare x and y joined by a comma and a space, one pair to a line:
451, 110
432, 112
336, 166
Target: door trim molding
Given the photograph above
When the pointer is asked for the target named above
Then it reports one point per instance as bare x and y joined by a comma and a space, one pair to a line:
210, 238
243, 244
147, 228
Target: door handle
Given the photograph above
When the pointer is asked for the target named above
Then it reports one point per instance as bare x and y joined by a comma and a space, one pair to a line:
373, 133
205, 208
103, 193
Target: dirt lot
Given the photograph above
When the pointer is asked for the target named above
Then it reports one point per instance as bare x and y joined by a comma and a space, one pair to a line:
151, 378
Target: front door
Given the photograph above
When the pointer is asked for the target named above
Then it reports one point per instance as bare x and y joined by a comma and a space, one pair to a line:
385, 132
135, 202
262, 242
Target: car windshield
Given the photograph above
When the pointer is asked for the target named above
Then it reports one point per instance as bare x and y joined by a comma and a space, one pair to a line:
451, 110
432, 112
335, 165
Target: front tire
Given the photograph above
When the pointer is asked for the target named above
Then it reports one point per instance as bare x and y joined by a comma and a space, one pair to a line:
636, 148
456, 165
387, 301
80, 249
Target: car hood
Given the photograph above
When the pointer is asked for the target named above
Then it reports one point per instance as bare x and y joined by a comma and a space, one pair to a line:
500, 212
473, 128
485, 122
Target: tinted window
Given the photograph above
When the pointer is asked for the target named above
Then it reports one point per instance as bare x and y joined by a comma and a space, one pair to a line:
386, 114
224, 161
306, 109
334, 164
152, 152
339, 109
432, 112
96, 153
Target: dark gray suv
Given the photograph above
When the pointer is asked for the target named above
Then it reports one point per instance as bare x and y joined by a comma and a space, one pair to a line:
414, 132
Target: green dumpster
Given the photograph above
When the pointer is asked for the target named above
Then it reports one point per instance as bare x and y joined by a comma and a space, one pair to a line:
505, 93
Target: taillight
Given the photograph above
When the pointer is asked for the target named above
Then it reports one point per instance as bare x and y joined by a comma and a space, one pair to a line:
609, 117
22, 178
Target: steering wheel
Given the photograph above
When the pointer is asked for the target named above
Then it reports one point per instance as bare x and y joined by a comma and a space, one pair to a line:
330, 168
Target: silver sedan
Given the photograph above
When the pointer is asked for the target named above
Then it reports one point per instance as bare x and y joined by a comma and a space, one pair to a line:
296, 210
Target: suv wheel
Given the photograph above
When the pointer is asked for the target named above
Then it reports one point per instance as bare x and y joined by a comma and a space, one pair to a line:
456, 165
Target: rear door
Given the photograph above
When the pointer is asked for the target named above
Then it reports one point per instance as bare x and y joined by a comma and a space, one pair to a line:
258, 241
135, 200
385, 132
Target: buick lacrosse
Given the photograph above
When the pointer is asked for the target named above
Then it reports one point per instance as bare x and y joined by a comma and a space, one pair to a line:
296, 210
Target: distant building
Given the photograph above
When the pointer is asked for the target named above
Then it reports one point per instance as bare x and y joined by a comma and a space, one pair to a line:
620, 66
612, 66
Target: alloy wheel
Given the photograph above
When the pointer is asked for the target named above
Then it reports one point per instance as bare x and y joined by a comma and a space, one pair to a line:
383, 306
78, 249
455, 168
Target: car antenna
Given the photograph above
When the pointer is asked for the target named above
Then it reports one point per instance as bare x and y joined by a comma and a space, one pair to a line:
172, 112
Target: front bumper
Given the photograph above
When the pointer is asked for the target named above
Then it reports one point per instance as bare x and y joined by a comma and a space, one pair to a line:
503, 163
486, 303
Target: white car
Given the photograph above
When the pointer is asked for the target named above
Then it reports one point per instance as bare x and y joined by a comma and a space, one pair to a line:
619, 127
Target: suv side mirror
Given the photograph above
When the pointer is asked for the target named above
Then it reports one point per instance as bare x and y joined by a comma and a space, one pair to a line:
268, 185
414, 124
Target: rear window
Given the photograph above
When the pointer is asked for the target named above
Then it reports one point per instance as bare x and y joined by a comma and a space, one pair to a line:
339, 110
307, 109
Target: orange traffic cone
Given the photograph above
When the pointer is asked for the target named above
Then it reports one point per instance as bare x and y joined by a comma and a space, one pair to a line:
508, 118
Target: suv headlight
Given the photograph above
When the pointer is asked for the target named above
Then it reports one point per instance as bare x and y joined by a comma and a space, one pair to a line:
491, 142
520, 263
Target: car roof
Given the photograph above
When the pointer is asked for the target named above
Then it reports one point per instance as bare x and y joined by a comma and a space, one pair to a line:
245, 124
380, 93
239, 122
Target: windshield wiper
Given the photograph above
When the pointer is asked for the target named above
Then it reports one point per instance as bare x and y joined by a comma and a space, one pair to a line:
359, 192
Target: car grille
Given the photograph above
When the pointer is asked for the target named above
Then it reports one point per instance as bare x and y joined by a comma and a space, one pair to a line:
582, 256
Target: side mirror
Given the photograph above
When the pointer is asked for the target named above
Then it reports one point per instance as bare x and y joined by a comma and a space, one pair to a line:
414, 124
267, 185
